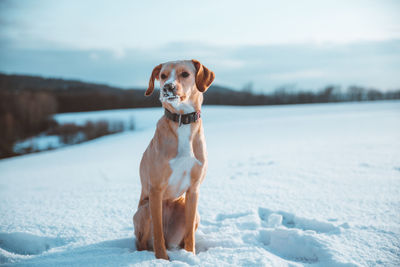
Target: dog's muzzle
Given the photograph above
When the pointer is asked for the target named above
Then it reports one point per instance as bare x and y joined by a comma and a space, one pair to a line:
169, 91
169, 88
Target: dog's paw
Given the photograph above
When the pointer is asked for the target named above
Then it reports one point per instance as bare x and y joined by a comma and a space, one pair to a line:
190, 249
162, 255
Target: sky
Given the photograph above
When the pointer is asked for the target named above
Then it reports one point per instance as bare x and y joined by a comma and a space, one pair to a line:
270, 44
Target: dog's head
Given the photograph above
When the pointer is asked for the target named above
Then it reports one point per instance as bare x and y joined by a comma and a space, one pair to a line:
181, 84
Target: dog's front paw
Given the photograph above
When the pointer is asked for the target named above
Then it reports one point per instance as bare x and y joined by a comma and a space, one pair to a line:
189, 246
162, 255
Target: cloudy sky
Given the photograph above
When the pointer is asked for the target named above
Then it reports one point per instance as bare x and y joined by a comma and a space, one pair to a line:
301, 44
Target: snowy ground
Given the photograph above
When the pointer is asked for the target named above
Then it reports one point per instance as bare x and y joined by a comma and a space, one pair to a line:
296, 185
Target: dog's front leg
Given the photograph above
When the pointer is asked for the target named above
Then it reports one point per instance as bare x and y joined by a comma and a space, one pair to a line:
155, 199
192, 196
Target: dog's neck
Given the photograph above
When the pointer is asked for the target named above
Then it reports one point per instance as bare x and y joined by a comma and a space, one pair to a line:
182, 119
183, 112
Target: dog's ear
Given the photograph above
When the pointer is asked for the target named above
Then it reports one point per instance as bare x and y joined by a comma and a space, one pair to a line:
154, 75
204, 76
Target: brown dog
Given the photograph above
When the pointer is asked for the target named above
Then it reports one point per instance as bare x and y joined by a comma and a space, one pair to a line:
174, 164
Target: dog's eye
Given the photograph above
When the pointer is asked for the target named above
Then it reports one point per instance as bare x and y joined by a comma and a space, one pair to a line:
163, 76
185, 74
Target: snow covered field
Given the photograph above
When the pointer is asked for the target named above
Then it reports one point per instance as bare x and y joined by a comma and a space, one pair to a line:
296, 185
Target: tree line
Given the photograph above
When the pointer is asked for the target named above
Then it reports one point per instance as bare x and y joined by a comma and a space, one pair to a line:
27, 103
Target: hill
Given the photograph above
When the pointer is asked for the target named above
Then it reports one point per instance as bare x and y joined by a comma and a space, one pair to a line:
300, 185
76, 96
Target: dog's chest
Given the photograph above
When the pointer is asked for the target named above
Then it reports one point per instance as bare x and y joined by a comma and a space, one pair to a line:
182, 164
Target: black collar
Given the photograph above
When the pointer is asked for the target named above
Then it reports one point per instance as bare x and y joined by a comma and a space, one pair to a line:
182, 118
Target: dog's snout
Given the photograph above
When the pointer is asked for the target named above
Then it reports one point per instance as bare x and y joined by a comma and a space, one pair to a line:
169, 87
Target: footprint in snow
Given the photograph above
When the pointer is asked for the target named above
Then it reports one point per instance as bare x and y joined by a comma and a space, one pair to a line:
28, 244
21, 245
223, 216
284, 234
289, 220
296, 238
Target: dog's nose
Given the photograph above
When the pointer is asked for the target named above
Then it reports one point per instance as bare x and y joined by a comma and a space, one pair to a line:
169, 87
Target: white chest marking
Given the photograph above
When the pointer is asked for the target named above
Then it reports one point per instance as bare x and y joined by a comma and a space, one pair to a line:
182, 164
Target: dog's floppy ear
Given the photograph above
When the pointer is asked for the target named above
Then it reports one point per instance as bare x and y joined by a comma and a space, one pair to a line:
204, 76
154, 75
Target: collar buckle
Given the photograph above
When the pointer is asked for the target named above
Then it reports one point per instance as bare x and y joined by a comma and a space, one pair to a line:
180, 120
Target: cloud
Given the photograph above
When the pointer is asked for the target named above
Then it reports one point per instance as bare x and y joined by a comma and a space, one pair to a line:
149, 24
93, 56
119, 53
373, 64
302, 74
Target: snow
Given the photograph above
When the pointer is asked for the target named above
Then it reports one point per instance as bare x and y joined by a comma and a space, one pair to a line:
141, 120
39, 143
43, 142
301, 185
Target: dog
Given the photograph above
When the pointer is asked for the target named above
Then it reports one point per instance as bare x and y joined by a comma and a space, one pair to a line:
175, 162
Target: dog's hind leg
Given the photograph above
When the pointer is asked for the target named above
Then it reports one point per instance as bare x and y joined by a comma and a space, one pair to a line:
142, 225
174, 222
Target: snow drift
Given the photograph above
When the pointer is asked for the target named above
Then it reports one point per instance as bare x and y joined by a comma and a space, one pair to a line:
306, 185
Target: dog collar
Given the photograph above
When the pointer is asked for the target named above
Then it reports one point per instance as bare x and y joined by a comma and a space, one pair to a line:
182, 118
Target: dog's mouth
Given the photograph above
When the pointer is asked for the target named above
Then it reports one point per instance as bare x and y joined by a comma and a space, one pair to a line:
169, 97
